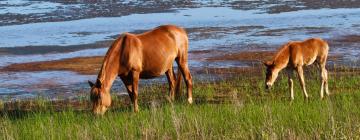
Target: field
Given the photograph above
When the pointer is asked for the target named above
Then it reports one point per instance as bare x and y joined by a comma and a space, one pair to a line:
228, 108
50, 49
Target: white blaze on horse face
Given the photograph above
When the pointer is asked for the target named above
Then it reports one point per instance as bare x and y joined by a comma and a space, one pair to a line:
100, 110
273, 76
100, 102
98, 107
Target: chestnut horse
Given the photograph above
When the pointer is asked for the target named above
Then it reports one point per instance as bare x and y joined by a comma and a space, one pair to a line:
146, 55
293, 56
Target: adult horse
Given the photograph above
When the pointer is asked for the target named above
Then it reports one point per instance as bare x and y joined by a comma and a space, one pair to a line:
146, 55
293, 56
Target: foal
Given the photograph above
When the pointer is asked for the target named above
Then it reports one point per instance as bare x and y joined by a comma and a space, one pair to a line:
293, 56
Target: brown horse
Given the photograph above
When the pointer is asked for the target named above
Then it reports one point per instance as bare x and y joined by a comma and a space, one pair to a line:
294, 55
144, 56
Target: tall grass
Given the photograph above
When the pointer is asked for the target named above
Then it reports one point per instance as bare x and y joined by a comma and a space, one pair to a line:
234, 108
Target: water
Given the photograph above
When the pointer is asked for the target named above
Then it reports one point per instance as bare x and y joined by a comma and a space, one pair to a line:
31, 7
38, 82
232, 27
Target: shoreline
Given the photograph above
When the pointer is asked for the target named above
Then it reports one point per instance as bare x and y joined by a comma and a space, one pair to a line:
91, 65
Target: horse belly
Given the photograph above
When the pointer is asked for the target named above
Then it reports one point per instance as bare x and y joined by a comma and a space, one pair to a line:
310, 60
153, 70
157, 68
150, 74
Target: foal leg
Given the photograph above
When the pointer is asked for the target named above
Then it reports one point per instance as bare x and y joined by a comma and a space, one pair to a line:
171, 81
302, 80
324, 81
290, 82
135, 84
183, 65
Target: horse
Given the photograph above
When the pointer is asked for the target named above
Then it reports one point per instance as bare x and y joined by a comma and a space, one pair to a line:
142, 56
293, 56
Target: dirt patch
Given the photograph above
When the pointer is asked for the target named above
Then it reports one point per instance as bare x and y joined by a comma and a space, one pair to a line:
280, 32
28, 50
244, 56
81, 65
225, 72
91, 65
348, 39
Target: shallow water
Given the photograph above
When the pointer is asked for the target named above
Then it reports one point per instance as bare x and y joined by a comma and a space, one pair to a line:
38, 82
77, 32
228, 28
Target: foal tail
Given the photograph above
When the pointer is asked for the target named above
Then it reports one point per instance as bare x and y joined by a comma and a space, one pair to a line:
178, 83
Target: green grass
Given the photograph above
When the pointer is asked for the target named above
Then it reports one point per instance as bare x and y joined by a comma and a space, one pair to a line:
234, 108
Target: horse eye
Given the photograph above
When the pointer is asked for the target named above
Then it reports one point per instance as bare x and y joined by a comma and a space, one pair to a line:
94, 97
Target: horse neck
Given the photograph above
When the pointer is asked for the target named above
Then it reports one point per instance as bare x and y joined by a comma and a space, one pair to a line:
107, 77
282, 58
110, 67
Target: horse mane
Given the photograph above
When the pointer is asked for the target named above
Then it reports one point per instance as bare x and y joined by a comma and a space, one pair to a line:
281, 53
119, 42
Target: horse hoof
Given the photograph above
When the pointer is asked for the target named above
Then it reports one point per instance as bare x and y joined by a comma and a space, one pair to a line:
190, 100
306, 99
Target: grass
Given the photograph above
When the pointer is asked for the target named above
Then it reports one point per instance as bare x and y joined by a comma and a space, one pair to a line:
232, 108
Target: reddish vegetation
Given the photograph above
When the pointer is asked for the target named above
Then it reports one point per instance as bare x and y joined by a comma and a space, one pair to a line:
349, 39
91, 65
230, 71
82, 65
243, 56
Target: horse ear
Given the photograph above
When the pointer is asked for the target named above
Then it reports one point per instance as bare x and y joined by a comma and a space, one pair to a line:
98, 83
91, 84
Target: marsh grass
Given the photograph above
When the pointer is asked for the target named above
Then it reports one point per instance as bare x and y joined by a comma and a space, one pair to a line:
231, 108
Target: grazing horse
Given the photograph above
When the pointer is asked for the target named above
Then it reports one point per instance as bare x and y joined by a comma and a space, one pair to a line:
293, 56
147, 55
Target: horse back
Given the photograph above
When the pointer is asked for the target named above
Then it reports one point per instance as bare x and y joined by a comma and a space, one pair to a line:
165, 36
308, 51
153, 52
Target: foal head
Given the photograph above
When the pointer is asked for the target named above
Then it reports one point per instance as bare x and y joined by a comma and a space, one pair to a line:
99, 97
271, 73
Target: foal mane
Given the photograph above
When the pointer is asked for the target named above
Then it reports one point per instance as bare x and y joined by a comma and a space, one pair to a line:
282, 54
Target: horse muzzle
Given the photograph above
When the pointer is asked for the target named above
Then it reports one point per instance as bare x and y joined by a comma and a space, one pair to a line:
268, 86
99, 110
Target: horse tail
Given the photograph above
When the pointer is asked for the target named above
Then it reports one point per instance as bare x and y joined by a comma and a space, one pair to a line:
178, 83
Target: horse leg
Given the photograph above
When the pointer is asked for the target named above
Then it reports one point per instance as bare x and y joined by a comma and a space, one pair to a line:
171, 81
325, 73
135, 84
302, 80
178, 78
324, 79
291, 83
128, 86
183, 65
